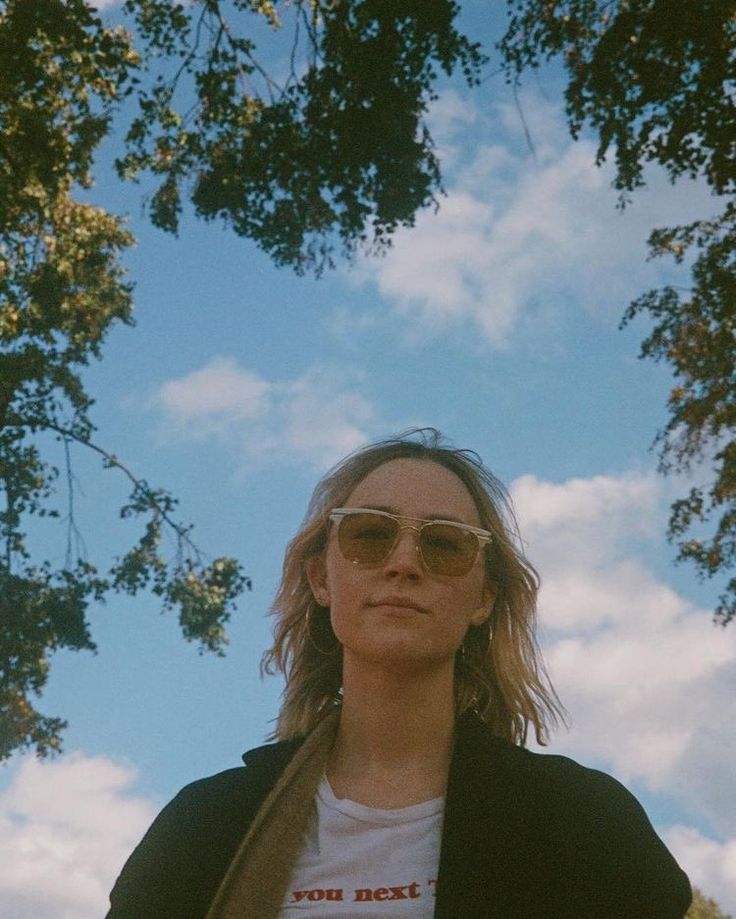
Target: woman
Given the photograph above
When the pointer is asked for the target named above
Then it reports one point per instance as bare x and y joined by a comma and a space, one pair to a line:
400, 785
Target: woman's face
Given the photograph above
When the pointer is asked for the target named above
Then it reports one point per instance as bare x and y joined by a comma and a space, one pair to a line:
397, 610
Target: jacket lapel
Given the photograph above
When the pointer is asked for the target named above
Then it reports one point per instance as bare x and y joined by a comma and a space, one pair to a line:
476, 836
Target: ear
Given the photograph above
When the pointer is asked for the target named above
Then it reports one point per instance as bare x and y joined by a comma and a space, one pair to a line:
317, 577
490, 592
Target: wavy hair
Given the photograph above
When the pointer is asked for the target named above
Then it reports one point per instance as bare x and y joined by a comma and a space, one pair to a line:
499, 672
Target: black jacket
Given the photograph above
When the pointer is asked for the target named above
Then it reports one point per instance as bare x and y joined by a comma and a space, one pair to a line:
525, 836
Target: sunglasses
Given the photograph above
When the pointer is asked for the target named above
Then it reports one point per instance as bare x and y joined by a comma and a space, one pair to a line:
367, 537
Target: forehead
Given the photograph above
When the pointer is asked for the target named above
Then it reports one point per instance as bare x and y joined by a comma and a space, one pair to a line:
416, 488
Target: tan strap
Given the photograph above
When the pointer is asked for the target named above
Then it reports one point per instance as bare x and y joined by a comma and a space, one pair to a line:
258, 877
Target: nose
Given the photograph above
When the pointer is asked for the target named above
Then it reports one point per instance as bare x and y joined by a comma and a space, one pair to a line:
404, 557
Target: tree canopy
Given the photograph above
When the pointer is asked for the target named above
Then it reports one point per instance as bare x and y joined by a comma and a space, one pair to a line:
331, 154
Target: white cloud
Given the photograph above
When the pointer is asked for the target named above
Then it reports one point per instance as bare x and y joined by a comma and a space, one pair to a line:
520, 238
216, 394
66, 828
318, 417
450, 114
711, 865
323, 420
647, 679
612, 509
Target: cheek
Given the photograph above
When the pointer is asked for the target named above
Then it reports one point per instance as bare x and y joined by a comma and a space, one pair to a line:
347, 612
345, 582
477, 600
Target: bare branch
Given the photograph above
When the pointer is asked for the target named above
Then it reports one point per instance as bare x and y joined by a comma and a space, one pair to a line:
111, 460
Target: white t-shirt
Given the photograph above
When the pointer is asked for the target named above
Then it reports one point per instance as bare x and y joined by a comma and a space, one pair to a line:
360, 861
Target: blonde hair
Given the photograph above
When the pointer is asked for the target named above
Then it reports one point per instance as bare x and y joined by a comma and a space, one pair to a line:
499, 672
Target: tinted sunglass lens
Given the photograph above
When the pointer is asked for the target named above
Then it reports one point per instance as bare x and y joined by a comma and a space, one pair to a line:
447, 549
366, 538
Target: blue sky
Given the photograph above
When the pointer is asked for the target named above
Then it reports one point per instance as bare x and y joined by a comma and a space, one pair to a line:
495, 320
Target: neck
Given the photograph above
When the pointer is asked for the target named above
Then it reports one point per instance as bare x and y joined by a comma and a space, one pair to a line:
394, 741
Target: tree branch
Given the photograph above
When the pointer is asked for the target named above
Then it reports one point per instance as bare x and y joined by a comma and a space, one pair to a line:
111, 460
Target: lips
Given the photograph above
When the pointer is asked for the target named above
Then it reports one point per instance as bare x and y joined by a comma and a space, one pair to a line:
402, 602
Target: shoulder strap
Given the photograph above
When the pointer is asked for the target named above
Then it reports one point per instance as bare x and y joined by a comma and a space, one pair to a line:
256, 882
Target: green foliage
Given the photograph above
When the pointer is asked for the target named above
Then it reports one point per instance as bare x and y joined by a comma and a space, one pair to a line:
704, 908
334, 155
61, 289
61, 72
655, 80
696, 334
652, 78
40, 611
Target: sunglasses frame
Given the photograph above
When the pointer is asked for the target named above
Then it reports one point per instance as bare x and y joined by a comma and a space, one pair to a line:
483, 537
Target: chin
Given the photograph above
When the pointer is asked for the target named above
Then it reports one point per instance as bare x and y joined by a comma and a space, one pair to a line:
408, 654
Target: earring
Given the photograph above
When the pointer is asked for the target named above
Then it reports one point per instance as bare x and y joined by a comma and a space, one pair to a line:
310, 635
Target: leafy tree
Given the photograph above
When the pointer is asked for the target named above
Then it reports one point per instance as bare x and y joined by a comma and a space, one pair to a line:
704, 908
655, 80
333, 156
